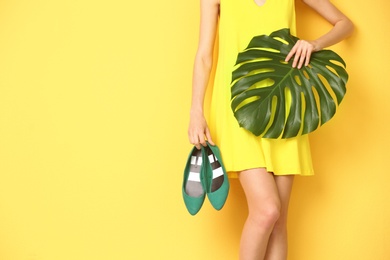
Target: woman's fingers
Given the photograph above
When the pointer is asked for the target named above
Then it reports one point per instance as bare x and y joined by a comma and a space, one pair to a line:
199, 136
198, 131
208, 136
297, 57
301, 52
198, 141
308, 56
291, 53
195, 138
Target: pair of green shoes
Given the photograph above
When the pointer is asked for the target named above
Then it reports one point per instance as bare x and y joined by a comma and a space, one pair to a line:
204, 173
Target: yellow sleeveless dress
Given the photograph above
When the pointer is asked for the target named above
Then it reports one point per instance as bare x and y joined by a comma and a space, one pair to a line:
240, 21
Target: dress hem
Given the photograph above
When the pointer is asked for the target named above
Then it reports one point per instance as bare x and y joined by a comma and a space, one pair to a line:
234, 174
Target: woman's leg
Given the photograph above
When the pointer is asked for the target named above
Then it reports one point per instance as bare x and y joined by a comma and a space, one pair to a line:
277, 244
264, 209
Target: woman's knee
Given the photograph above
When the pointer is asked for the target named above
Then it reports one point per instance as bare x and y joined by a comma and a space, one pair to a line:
262, 196
281, 223
266, 214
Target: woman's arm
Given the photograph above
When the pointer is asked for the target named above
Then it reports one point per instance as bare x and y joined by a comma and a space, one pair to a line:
198, 131
342, 27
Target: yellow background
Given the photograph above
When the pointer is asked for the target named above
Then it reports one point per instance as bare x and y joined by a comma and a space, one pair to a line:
94, 101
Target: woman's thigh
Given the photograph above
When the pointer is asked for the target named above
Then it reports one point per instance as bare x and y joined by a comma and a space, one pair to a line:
260, 190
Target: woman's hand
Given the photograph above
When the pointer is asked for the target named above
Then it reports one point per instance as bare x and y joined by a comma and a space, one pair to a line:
198, 131
301, 52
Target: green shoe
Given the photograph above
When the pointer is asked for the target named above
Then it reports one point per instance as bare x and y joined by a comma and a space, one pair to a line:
193, 188
217, 179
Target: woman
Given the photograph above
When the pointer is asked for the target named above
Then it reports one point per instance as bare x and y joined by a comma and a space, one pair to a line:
265, 167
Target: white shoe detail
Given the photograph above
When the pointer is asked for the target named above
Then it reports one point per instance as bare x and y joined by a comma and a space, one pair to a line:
217, 172
194, 176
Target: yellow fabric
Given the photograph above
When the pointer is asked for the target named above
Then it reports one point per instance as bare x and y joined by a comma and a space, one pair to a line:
240, 21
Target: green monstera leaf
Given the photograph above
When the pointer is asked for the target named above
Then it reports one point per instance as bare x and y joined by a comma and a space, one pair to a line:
272, 99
